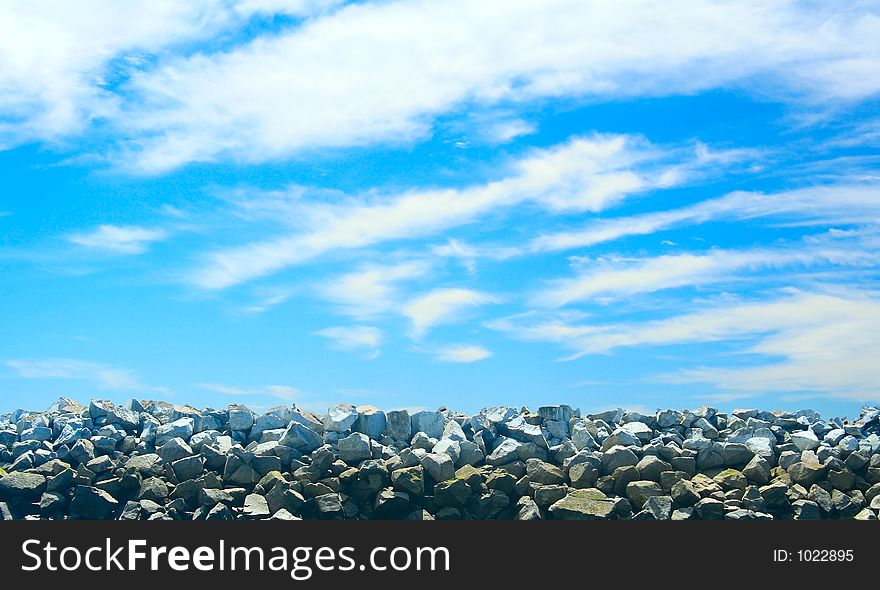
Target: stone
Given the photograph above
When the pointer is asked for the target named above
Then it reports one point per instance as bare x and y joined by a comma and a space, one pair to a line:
255, 507
452, 492
439, 466
181, 428
399, 425
587, 504
659, 507
757, 470
805, 510
617, 456
684, 493
22, 486
710, 509
340, 418
544, 473
650, 467
301, 438
805, 440
431, 423
805, 473
638, 492
370, 421
410, 480
241, 419
583, 475
354, 448
506, 452
90, 503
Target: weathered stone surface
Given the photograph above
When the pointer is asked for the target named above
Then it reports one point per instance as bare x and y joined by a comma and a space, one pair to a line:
588, 504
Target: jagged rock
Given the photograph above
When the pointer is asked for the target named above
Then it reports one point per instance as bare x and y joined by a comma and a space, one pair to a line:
90, 503
588, 504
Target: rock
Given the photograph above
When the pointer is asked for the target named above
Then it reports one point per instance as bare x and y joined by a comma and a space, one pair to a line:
757, 470
452, 492
301, 438
659, 507
588, 504
617, 456
731, 479
710, 509
255, 507
506, 452
865, 514
90, 503
805, 473
805, 510
22, 486
805, 440
182, 428
439, 466
399, 425
410, 480
650, 467
354, 448
684, 493
340, 418
638, 492
527, 509
241, 419
544, 473
583, 475
371, 421
431, 423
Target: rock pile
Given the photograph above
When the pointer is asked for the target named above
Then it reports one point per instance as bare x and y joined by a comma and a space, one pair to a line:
157, 461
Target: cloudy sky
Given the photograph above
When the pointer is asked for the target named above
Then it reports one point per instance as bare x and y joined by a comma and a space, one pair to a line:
415, 203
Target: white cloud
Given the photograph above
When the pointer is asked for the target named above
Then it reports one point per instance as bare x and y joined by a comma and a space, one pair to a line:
614, 278
101, 375
284, 392
59, 60
383, 72
839, 203
119, 239
816, 342
461, 353
441, 306
371, 290
364, 340
582, 174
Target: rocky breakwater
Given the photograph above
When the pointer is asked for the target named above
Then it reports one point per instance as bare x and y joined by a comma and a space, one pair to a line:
153, 460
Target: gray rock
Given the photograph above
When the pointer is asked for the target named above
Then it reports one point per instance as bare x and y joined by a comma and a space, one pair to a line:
255, 507
181, 428
371, 421
399, 425
90, 503
241, 418
354, 448
301, 438
431, 423
439, 466
340, 418
587, 504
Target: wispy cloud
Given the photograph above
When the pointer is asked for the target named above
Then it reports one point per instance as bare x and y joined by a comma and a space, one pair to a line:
610, 279
826, 342
363, 340
371, 290
461, 353
101, 375
284, 392
583, 174
482, 53
441, 306
119, 239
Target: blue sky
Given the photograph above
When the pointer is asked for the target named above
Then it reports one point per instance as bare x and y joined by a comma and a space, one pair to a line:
414, 204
